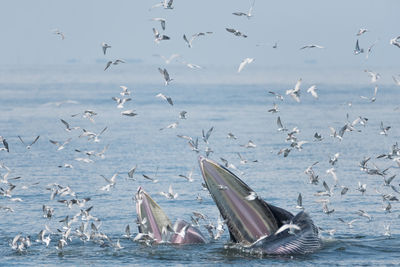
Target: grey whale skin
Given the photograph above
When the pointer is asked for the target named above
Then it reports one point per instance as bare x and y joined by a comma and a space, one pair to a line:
253, 223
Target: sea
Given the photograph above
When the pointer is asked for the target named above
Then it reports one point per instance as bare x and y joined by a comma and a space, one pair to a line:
34, 100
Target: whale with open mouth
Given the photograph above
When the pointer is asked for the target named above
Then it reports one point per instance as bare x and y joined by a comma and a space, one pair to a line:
154, 224
254, 223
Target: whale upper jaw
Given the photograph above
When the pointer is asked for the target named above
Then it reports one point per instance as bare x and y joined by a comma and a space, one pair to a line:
251, 221
152, 221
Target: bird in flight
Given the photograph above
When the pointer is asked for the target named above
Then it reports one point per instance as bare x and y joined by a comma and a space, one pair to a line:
105, 46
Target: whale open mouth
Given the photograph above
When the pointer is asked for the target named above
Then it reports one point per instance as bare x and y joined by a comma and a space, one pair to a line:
151, 218
155, 224
251, 221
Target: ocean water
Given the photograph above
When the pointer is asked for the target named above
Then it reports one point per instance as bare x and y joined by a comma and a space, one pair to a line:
31, 108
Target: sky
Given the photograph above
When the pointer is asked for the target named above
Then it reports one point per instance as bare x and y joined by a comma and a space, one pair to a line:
28, 39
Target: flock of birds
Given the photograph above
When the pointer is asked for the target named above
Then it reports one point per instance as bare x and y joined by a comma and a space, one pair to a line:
87, 227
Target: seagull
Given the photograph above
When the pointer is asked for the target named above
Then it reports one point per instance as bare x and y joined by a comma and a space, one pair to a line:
207, 135
395, 41
150, 178
191, 65
132, 171
334, 134
125, 90
295, 92
127, 232
317, 137
285, 152
89, 114
194, 36
364, 214
350, 223
274, 109
311, 46
374, 75
370, 50
281, 128
5, 144
249, 144
361, 31
373, 98
170, 194
248, 14
165, 74
194, 145
166, 98
396, 81
105, 46
384, 129
278, 96
252, 196
332, 172
182, 115
67, 127
28, 146
120, 101
244, 63
326, 209
311, 90
158, 37
166, 4
161, 20
289, 226
115, 62
236, 32
188, 176
59, 145
387, 230
129, 113
362, 187
334, 159
231, 136
58, 32
111, 182
168, 60
242, 159
170, 126
344, 190
300, 202
358, 50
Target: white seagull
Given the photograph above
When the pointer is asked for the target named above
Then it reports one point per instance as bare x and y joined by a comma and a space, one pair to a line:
244, 63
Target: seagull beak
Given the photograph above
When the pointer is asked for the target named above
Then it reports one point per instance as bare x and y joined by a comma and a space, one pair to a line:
151, 218
247, 220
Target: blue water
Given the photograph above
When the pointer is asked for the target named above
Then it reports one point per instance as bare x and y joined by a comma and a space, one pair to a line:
27, 109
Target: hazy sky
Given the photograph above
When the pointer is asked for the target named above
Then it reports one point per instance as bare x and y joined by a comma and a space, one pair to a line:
27, 38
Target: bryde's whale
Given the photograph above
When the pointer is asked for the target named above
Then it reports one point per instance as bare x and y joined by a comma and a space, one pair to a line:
254, 223
155, 225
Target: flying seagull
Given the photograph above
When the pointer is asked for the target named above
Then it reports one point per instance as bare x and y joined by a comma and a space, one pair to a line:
311, 46
361, 31
105, 46
159, 37
165, 74
236, 32
161, 20
248, 14
358, 50
244, 63
28, 146
194, 36
166, 98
